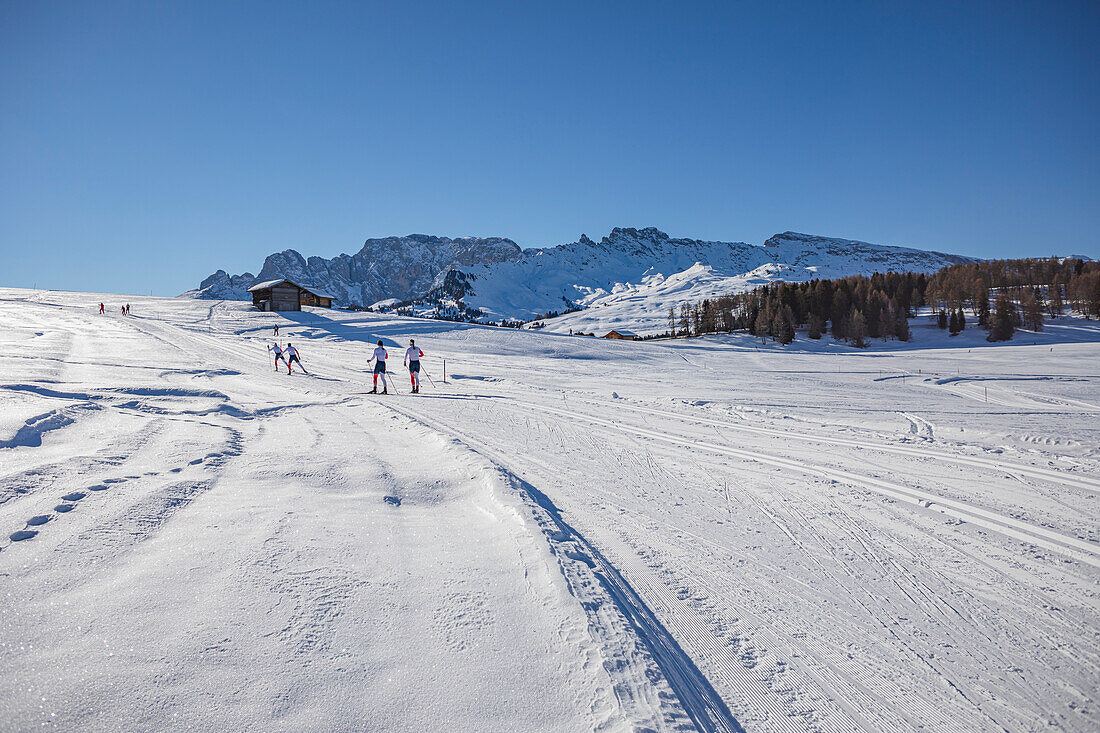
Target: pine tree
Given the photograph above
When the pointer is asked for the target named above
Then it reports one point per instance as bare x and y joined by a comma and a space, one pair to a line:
1001, 328
816, 326
941, 319
857, 329
760, 328
672, 320
953, 323
873, 316
981, 306
839, 314
962, 319
901, 327
783, 325
1033, 311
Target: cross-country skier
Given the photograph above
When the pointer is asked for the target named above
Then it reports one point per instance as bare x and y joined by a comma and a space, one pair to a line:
127, 309
412, 360
291, 357
379, 359
278, 356
276, 330
101, 309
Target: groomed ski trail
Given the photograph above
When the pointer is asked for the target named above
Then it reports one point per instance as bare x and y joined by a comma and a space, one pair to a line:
698, 699
1081, 550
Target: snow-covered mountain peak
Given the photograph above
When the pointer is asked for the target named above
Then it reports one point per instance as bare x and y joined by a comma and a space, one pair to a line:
492, 278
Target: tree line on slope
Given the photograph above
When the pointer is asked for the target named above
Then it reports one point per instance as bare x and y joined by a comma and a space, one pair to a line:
858, 307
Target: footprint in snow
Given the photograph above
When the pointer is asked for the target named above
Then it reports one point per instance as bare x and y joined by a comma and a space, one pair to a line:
23, 534
75, 496
62, 508
37, 520
176, 470
392, 500
113, 480
98, 487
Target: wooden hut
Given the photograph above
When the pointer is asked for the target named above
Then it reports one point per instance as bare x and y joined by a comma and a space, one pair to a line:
284, 295
621, 334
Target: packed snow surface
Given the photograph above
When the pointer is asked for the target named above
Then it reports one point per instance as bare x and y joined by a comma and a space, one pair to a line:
566, 534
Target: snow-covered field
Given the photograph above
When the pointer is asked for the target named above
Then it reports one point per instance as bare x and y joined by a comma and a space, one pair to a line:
570, 534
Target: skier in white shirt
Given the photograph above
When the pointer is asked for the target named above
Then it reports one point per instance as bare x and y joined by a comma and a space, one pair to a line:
291, 357
278, 356
412, 360
379, 359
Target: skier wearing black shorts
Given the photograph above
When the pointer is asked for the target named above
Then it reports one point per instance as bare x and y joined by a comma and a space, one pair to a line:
278, 355
379, 359
291, 357
412, 359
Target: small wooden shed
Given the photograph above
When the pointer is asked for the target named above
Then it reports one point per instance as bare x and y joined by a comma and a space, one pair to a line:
284, 295
621, 334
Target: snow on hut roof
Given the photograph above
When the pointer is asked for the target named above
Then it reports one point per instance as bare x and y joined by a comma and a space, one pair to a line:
272, 283
268, 284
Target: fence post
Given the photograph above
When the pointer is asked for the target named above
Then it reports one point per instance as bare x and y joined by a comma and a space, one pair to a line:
444, 371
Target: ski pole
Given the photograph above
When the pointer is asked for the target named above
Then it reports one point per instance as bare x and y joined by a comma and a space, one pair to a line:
429, 376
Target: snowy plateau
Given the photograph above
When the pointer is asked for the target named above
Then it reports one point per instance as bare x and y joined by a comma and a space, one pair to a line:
628, 279
557, 534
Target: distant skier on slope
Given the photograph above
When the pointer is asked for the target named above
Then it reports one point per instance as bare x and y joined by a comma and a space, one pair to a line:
101, 311
278, 356
379, 359
412, 360
291, 357
275, 330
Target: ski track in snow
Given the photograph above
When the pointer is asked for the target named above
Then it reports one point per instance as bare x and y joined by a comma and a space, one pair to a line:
796, 542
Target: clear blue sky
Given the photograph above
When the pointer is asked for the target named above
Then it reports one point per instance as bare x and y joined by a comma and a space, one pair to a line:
144, 145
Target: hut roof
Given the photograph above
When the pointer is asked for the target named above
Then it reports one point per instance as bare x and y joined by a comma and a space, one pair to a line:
268, 284
272, 283
318, 293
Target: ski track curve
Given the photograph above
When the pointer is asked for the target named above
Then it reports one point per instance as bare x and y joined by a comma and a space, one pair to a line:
708, 712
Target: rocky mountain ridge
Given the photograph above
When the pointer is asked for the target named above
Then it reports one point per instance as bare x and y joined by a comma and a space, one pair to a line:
493, 279
384, 268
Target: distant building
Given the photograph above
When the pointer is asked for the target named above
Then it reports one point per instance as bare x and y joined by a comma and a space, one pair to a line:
621, 334
284, 295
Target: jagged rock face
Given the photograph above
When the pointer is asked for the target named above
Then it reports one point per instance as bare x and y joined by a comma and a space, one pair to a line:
587, 273
390, 267
223, 286
493, 279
